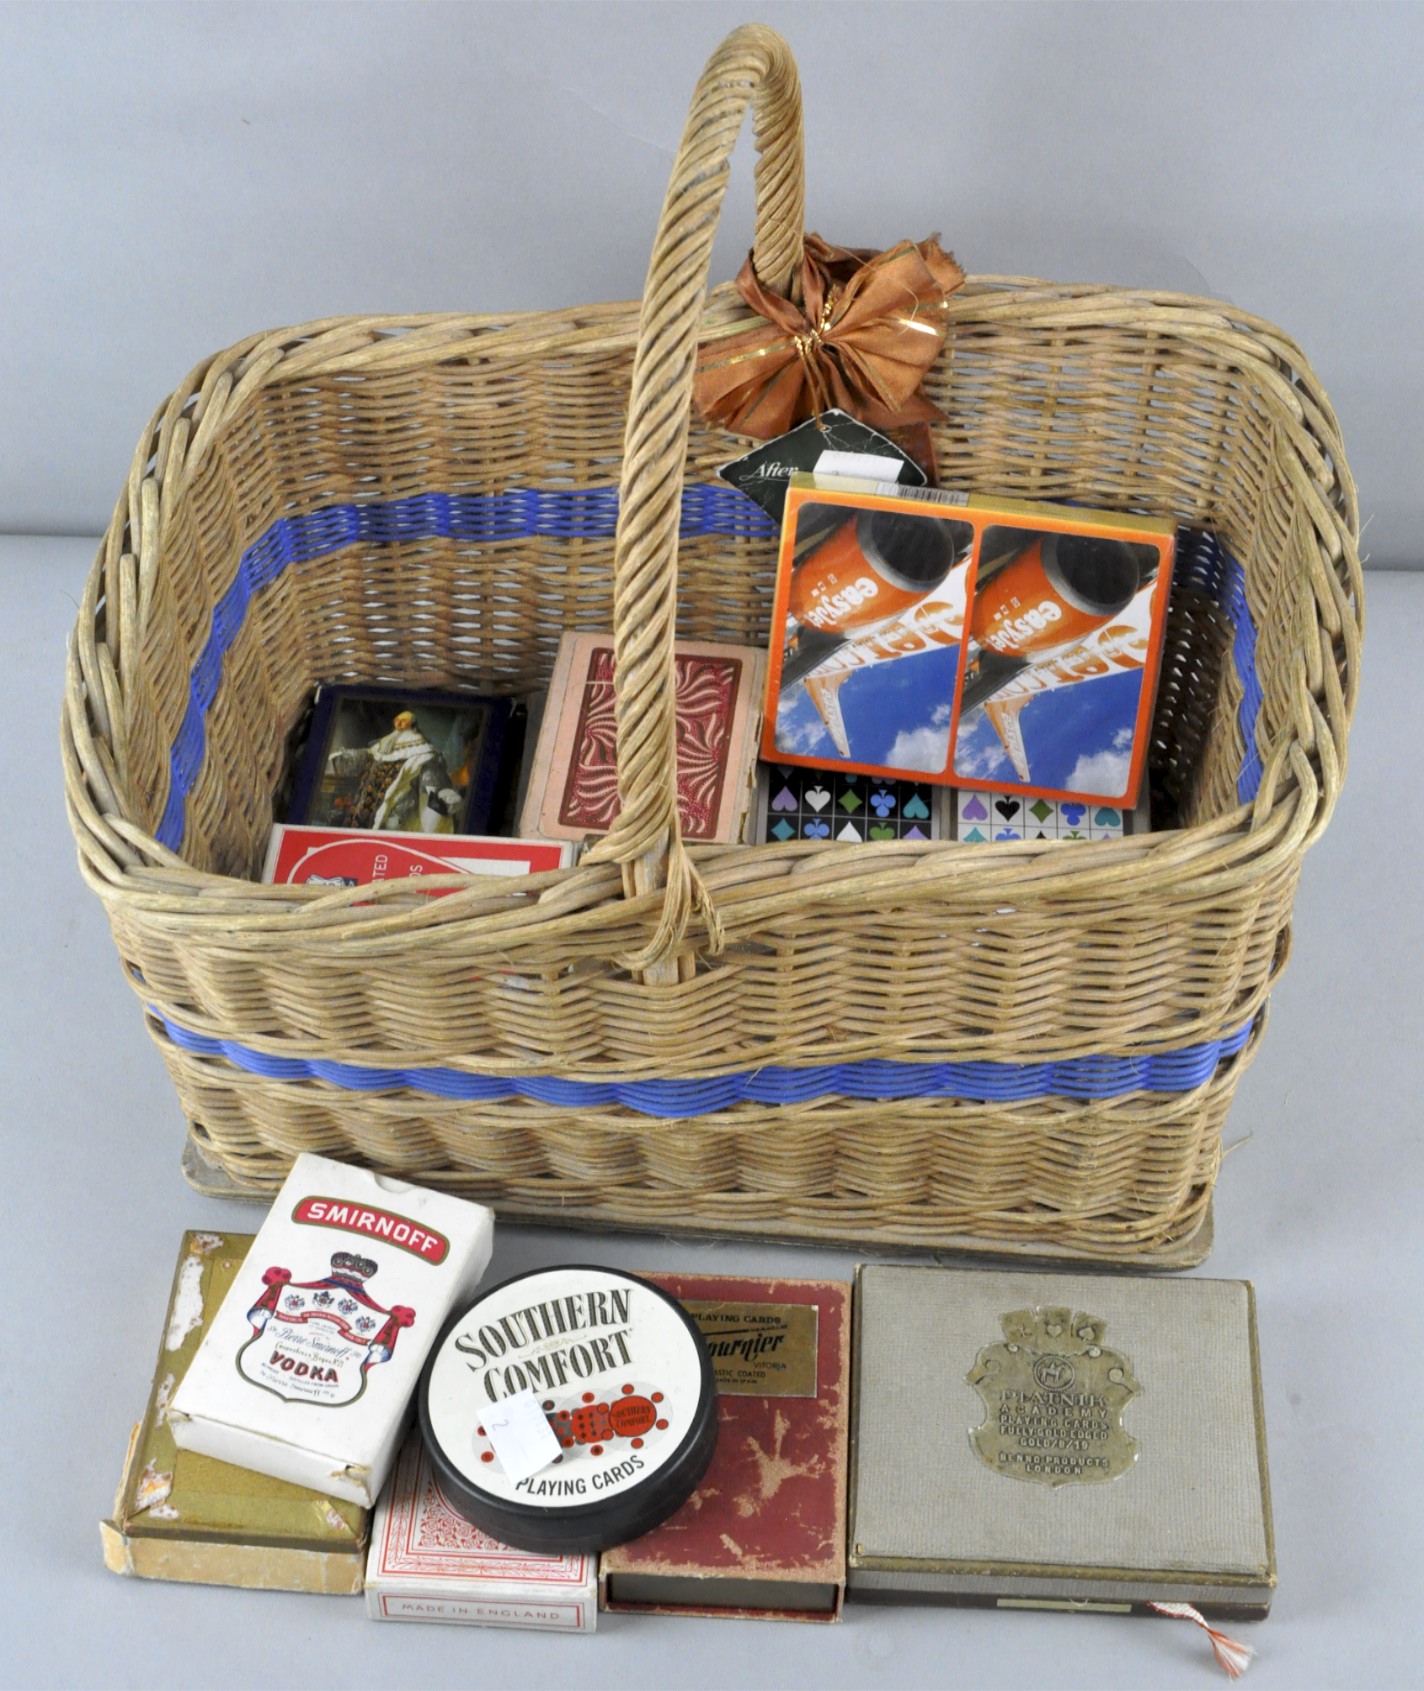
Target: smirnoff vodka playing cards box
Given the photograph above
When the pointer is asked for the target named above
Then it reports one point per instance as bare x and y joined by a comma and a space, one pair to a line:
308, 1369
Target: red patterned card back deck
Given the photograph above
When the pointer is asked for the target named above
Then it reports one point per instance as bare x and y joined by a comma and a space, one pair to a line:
573, 791
428, 1563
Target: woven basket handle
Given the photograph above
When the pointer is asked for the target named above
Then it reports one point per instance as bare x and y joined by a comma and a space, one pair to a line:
752, 64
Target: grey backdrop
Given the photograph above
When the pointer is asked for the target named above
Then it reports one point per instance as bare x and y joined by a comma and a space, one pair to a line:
177, 176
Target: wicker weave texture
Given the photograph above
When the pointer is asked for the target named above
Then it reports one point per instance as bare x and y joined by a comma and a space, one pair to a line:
647, 960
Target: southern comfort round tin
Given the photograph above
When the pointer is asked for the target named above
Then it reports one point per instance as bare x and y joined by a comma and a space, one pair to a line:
620, 1377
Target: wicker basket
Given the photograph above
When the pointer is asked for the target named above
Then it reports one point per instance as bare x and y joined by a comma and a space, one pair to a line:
904, 1044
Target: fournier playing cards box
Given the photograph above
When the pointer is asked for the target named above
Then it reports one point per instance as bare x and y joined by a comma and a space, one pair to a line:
764, 1533
963, 640
428, 1563
308, 1369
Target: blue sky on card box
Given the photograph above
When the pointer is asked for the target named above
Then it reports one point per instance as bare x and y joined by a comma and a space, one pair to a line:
896, 714
1078, 739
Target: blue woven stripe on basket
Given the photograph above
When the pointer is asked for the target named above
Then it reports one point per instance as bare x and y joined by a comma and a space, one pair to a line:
1085, 1078
521, 514
569, 513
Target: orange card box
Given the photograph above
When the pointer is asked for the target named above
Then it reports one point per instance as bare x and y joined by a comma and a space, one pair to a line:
966, 640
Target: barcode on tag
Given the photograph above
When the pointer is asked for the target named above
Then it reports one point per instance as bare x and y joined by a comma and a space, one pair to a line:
522, 1438
930, 495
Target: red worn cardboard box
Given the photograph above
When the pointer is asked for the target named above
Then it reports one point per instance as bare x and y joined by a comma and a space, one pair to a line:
764, 1533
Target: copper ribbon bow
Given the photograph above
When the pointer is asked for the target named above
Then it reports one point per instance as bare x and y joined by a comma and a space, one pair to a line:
868, 328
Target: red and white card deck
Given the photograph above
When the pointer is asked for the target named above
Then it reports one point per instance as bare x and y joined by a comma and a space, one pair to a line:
573, 790
428, 1563
359, 857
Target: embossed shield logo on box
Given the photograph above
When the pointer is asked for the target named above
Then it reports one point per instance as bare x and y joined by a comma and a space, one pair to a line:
1054, 1396
315, 1341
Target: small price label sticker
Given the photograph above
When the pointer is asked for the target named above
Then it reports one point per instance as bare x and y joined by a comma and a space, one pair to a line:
872, 466
522, 1438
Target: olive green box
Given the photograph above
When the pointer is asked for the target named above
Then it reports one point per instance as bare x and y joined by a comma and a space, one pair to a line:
183, 1516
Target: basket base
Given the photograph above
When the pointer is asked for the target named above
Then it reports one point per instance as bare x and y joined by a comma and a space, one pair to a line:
208, 1177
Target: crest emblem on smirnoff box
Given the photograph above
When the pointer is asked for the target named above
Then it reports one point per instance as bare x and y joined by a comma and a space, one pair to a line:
1055, 1396
315, 1341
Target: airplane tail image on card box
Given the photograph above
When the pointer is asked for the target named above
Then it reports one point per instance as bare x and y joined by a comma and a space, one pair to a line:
868, 629
861, 578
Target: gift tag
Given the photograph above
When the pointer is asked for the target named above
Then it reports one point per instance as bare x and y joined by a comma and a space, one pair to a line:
832, 444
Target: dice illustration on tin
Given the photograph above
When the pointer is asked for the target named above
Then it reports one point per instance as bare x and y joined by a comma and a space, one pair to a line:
594, 1422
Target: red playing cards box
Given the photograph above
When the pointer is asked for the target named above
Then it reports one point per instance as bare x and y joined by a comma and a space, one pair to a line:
357, 857
764, 1534
573, 791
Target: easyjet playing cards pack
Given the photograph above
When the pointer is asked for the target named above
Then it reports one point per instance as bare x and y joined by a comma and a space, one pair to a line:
976, 642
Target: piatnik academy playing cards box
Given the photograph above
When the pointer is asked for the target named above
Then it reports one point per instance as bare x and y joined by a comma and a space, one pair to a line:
1059, 1441
841, 805
309, 1367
